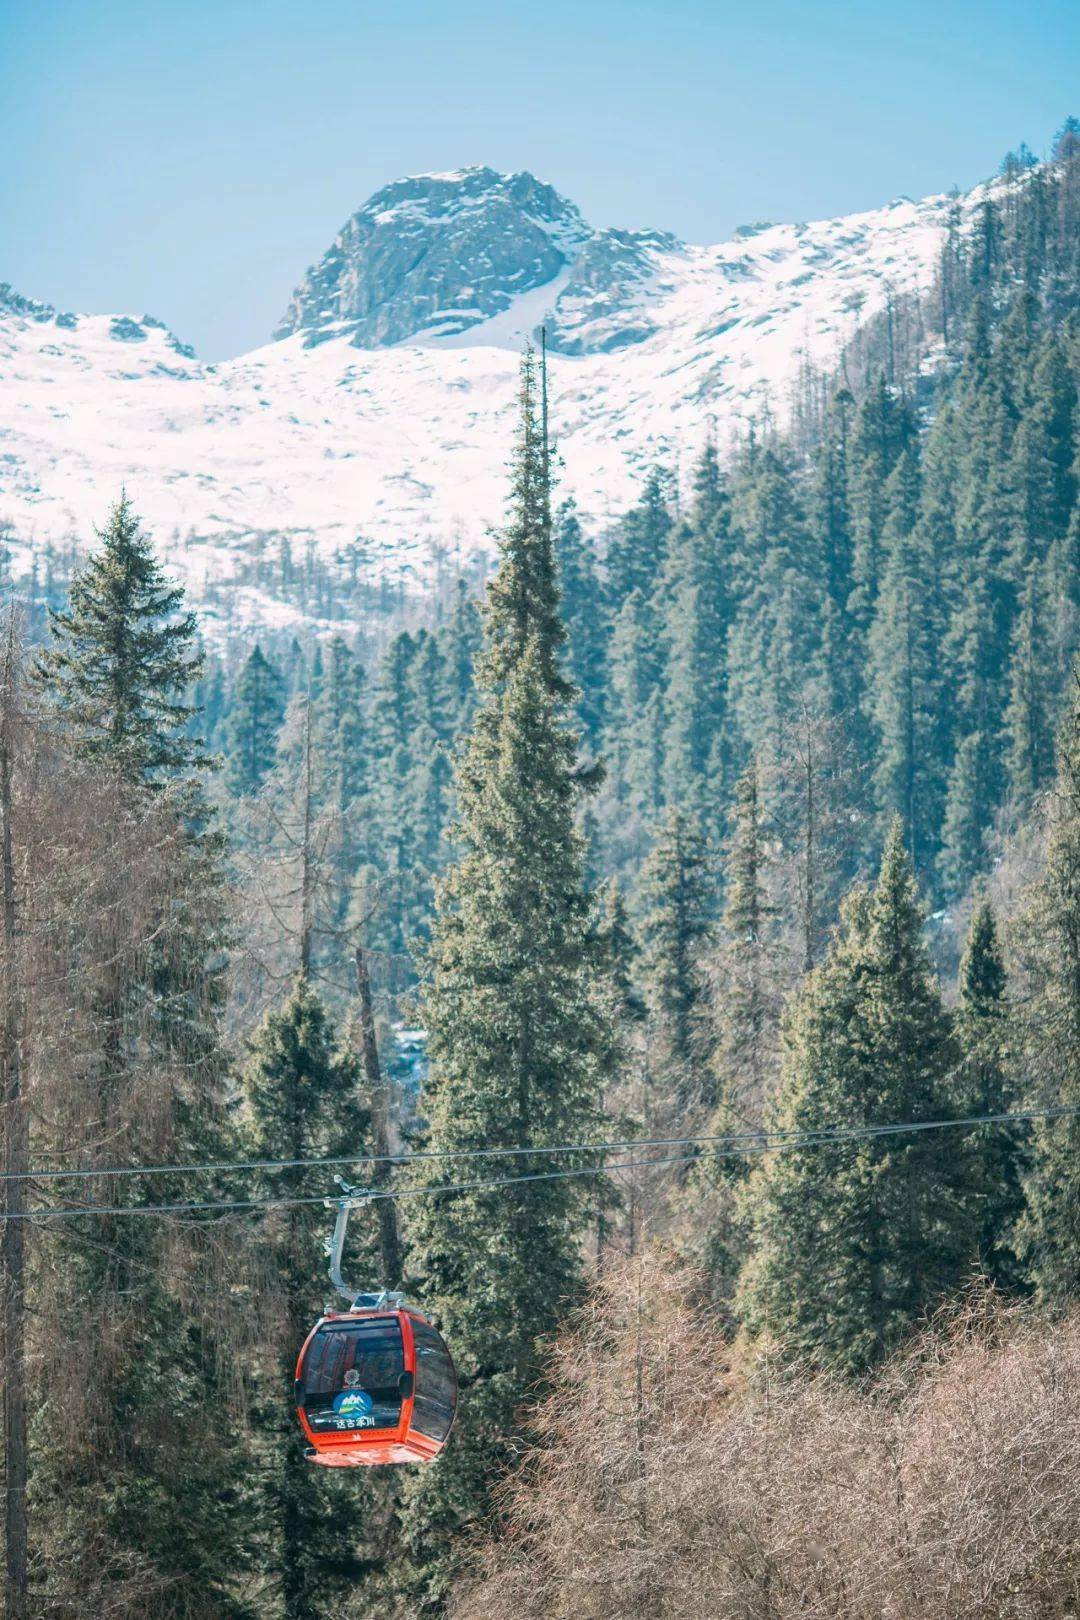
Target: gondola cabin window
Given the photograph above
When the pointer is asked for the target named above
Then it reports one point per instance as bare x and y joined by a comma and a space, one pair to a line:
352, 1377
436, 1383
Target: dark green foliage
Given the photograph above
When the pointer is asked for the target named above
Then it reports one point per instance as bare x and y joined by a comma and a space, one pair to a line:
122, 658
516, 1039
775, 636
677, 906
694, 600
746, 970
982, 1030
904, 646
854, 1241
258, 712
638, 549
303, 1101
1050, 1229
1029, 737
635, 706
163, 1480
882, 431
583, 615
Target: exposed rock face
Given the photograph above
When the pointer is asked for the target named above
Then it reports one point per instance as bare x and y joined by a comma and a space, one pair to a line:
434, 255
602, 306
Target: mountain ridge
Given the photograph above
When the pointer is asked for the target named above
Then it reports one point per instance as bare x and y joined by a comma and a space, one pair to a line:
379, 419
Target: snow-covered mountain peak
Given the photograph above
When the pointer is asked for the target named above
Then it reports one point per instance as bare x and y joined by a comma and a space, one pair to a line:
434, 255
371, 439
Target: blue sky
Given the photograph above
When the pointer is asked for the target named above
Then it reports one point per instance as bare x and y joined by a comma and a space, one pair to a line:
189, 159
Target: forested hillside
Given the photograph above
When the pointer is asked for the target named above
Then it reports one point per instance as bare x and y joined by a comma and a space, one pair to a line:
694, 920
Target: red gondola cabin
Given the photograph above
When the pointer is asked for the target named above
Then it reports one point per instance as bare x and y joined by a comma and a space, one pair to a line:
375, 1386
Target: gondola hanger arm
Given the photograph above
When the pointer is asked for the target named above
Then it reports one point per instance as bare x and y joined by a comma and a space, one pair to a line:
359, 1299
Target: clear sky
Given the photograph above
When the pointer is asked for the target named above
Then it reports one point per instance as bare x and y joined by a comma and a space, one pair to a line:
190, 158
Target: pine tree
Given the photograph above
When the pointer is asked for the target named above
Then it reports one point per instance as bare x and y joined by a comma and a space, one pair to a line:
969, 804
904, 647
634, 737
818, 810
744, 1018
302, 1097
618, 955
341, 728
883, 429
1029, 734
391, 810
584, 617
854, 1240
122, 658
677, 906
258, 713
1049, 1232
639, 546
693, 604
774, 639
515, 1039
982, 1029
746, 971
829, 509
164, 1480
462, 636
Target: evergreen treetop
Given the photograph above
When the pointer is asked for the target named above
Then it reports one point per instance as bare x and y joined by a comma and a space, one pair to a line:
123, 656
522, 603
855, 1240
516, 1029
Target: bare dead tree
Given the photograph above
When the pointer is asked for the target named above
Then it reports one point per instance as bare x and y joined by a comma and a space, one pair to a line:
945, 1490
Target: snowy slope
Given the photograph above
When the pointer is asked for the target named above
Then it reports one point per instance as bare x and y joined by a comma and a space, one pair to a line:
385, 408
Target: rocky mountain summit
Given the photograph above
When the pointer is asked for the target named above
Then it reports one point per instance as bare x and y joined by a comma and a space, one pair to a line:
435, 255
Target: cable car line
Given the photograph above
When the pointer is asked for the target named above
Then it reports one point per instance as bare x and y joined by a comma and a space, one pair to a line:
760, 1143
831, 1133
235, 1205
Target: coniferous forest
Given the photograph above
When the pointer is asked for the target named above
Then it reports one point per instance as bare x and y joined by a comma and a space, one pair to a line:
684, 927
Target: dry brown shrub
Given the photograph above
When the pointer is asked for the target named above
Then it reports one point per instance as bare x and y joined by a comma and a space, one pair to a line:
663, 1484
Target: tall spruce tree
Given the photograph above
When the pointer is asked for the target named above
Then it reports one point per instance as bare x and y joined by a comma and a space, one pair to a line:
677, 902
904, 642
583, 611
258, 713
1029, 733
1049, 1232
635, 709
516, 1040
639, 546
744, 1018
774, 640
747, 999
855, 1240
123, 657
982, 1030
166, 1480
692, 602
303, 1101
